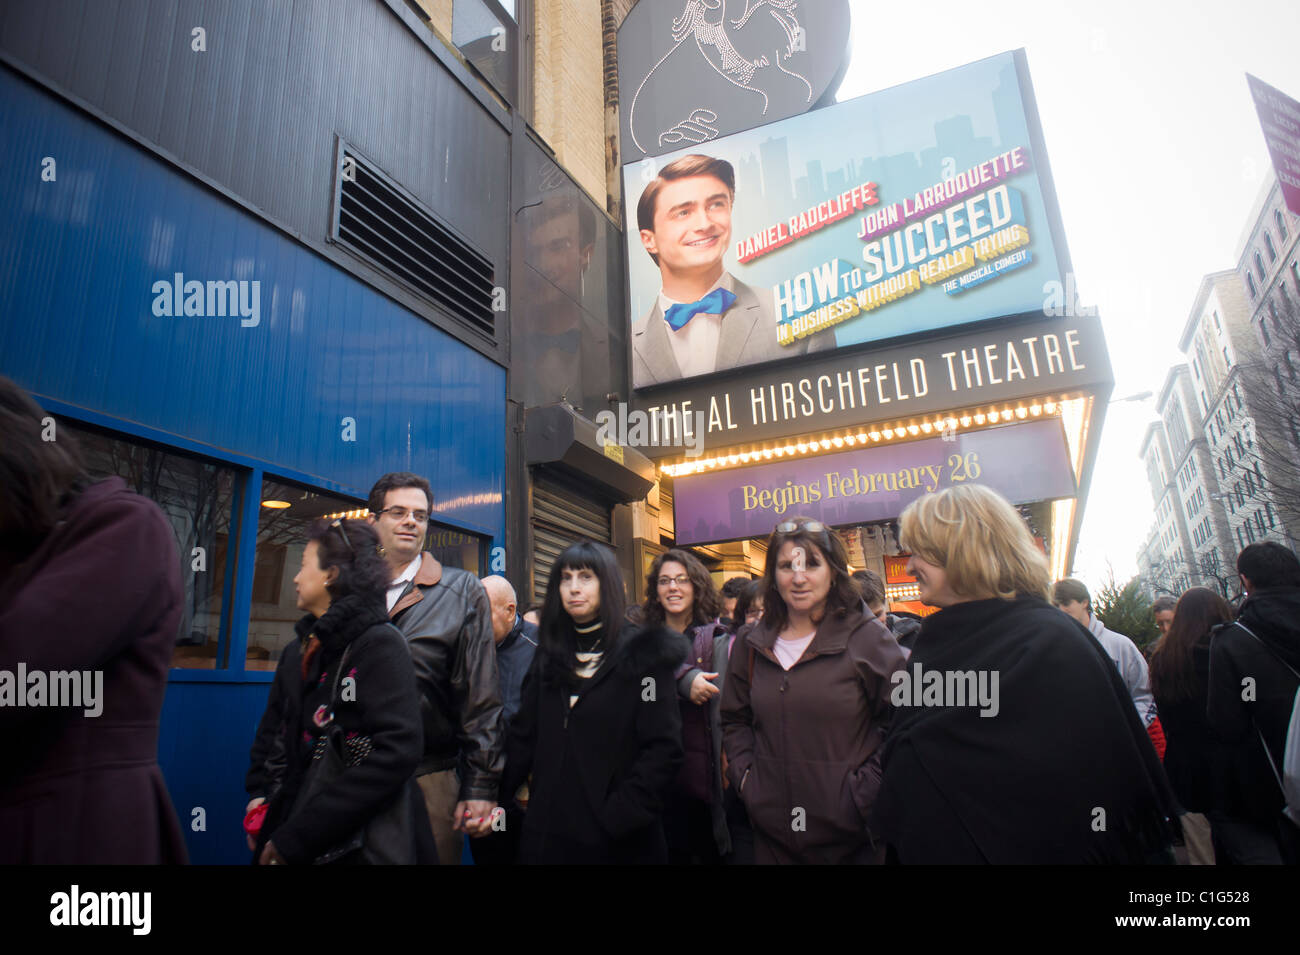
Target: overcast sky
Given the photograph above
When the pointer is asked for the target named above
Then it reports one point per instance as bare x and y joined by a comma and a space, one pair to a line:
1157, 156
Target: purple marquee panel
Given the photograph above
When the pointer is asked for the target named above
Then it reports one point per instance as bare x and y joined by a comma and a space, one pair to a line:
1023, 462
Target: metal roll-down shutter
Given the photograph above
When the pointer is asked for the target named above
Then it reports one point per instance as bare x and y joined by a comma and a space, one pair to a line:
562, 514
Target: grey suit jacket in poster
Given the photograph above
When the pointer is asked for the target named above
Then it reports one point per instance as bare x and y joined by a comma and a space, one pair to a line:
748, 337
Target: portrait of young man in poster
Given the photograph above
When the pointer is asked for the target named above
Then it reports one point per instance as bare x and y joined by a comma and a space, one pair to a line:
704, 319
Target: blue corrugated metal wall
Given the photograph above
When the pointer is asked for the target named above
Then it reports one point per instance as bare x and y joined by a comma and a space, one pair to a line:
78, 259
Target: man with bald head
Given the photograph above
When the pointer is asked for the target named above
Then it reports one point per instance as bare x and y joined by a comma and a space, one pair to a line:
516, 641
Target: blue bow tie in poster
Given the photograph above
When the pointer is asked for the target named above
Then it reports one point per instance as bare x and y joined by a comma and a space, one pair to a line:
715, 303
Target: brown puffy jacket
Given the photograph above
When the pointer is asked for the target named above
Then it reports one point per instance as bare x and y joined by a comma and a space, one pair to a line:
800, 742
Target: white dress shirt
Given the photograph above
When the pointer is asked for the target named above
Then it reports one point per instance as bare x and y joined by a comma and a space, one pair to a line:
695, 345
397, 586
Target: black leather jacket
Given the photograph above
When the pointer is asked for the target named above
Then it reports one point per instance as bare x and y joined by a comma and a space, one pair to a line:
444, 615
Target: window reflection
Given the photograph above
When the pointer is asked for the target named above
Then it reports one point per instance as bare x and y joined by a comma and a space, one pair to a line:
456, 549
485, 35
285, 513
196, 496
570, 323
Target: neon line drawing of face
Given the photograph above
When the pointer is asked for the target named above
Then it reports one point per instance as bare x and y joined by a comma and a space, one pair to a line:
720, 41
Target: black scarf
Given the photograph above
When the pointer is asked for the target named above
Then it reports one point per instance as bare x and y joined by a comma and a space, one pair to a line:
345, 620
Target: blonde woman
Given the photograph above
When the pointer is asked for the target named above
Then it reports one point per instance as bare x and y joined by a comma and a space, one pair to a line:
1013, 738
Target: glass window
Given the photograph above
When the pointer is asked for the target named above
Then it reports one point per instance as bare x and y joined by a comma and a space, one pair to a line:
1281, 222
485, 35
1259, 266
455, 548
1250, 284
1268, 244
286, 512
196, 496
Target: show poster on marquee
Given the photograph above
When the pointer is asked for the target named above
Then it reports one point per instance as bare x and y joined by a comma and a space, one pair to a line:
915, 208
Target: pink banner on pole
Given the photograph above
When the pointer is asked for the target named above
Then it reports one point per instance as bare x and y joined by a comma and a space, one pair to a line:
1279, 116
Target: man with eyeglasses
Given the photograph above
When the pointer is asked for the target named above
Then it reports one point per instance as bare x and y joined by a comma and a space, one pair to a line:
444, 614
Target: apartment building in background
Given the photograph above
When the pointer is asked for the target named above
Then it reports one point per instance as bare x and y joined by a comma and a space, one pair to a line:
1223, 461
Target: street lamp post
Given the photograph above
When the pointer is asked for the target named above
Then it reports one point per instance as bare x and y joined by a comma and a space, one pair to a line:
1140, 396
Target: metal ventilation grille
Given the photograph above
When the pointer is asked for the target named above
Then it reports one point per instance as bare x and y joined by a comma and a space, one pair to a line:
388, 230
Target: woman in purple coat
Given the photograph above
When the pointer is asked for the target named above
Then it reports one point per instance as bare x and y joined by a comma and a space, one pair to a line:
90, 601
680, 595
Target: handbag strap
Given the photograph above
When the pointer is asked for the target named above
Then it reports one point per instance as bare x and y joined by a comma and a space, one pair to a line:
1268, 648
338, 674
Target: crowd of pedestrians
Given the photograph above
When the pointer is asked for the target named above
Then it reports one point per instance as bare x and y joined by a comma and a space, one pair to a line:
789, 719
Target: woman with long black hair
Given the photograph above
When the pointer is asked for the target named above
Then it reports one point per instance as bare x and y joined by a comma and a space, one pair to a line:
598, 728
337, 749
1196, 760
679, 594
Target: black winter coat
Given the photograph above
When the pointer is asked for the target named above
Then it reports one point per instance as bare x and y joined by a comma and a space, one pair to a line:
1064, 773
1273, 616
380, 717
1198, 764
601, 770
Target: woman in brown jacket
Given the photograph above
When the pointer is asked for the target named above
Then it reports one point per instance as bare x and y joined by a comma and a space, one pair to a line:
804, 705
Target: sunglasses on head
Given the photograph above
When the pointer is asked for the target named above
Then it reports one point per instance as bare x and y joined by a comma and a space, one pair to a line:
789, 527
337, 524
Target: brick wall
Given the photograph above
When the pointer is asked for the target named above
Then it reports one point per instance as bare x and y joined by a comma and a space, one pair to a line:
570, 86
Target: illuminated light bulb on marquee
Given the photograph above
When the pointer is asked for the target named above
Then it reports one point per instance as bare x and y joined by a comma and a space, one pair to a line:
979, 419
965, 421
826, 444
1050, 407
927, 427
1021, 412
875, 436
862, 438
913, 430
887, 432
1035, 410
